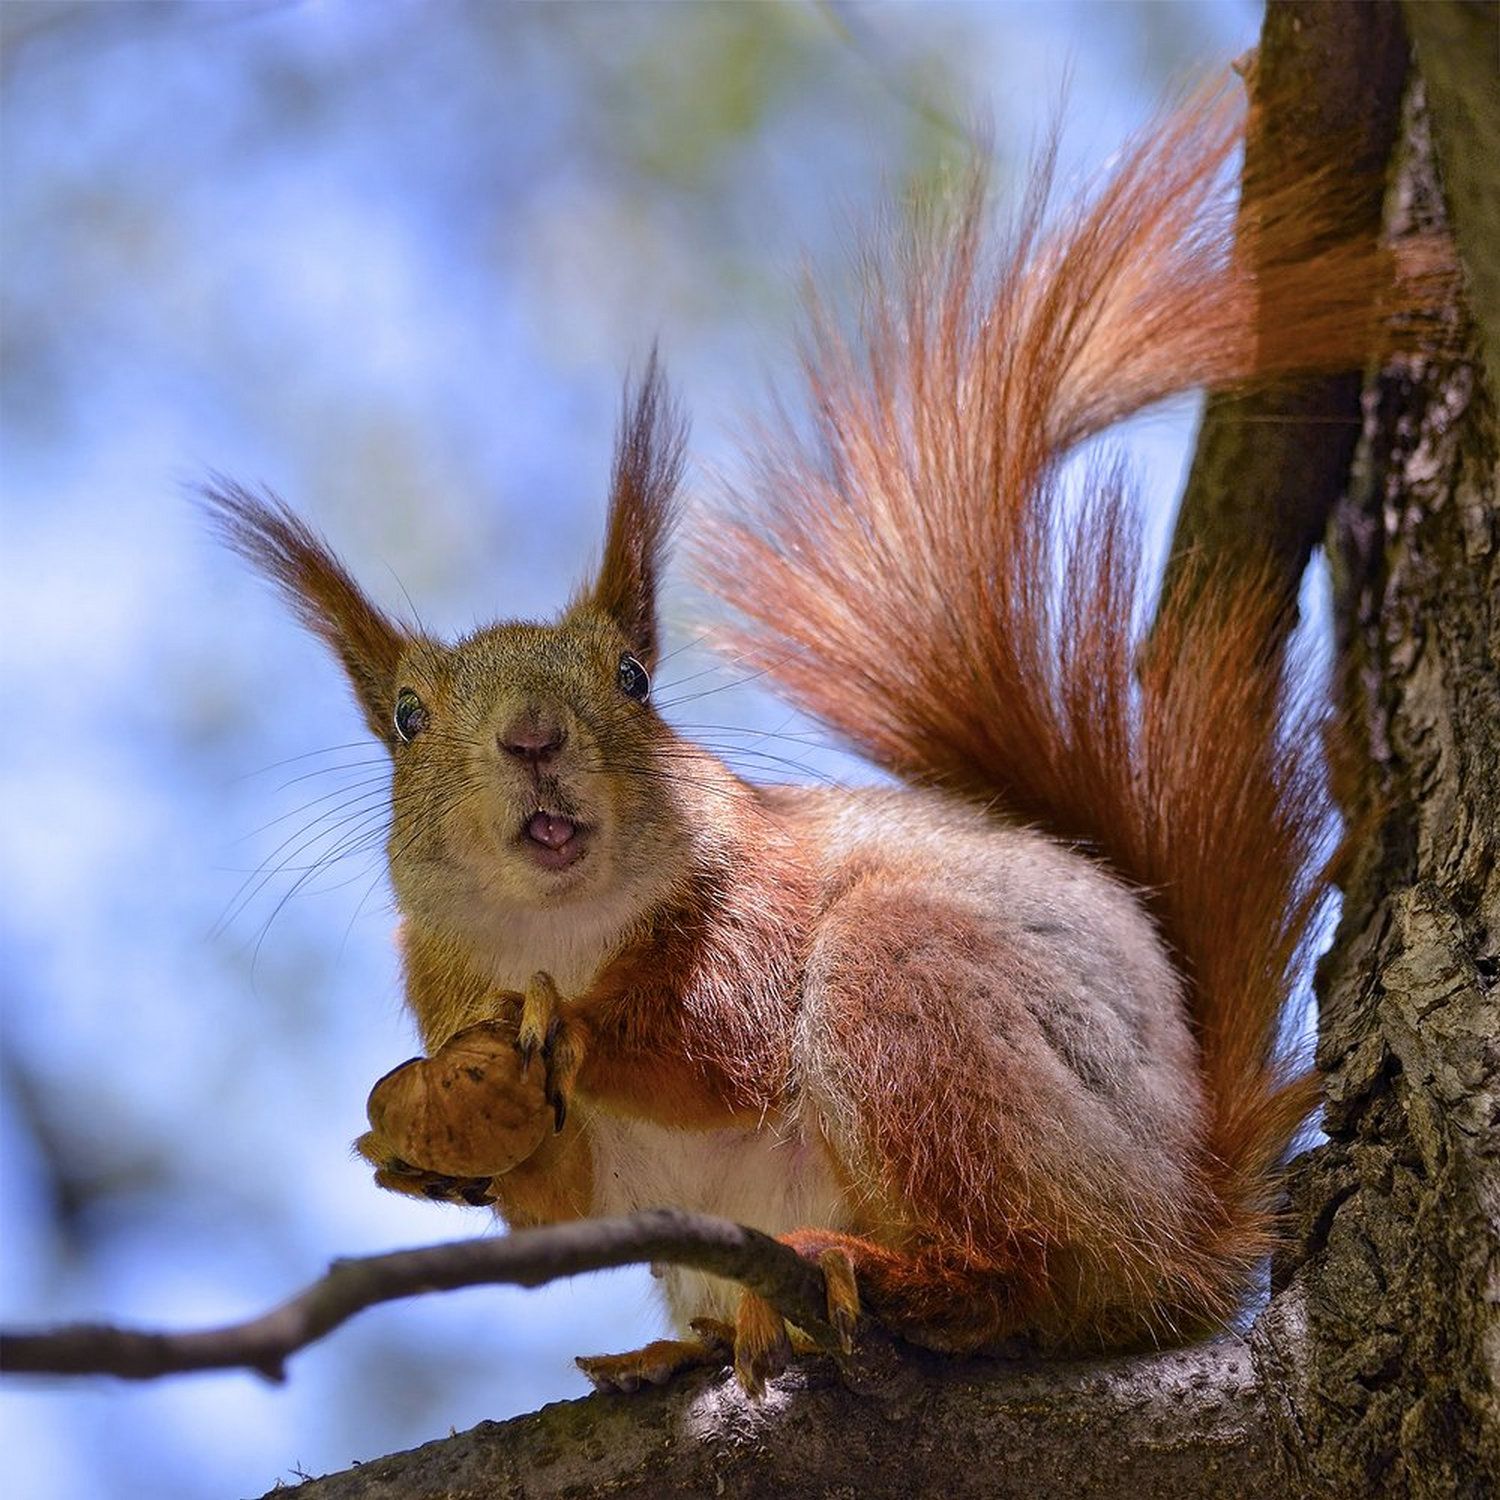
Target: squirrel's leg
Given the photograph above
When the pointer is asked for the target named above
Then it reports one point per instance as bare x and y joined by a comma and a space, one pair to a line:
762, 1340
912, 1051
943, 1296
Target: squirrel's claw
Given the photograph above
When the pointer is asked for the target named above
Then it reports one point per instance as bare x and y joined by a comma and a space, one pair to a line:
541, 1015
843, 1295
398, 1176
714, 1333
762, 1341
544, 1031
762, 1345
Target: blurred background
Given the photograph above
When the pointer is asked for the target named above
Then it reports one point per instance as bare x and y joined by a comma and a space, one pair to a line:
391, 259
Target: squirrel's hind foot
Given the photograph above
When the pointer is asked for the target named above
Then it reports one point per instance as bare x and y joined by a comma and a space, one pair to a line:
711, 1348
763, 1341
758, 1344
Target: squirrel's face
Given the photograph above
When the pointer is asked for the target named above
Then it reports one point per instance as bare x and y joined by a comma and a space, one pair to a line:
530, 770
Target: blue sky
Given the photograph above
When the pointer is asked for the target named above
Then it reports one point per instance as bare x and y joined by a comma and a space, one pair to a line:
392, 259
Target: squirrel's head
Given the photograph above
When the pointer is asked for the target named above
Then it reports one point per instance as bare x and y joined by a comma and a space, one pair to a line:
530, 767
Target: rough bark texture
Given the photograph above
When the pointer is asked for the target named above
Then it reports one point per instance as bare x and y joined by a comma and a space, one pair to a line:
1181, 1426
1458, 47
1271, 464
1383, 1346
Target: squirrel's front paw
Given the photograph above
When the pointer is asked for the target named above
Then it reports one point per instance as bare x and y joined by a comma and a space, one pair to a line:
474, 1109
558, 1039
399, 1176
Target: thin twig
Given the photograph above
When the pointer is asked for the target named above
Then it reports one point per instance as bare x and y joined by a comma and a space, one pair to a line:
530, 1257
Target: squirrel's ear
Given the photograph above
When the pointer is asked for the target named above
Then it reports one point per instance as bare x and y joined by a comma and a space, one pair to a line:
325, 598
642, 508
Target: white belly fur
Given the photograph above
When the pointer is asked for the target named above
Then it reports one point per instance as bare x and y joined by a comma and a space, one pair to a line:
777, 1178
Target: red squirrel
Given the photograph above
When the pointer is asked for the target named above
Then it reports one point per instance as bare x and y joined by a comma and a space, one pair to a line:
998, 1047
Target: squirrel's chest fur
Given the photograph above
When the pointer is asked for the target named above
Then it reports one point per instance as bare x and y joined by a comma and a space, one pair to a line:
776, 1178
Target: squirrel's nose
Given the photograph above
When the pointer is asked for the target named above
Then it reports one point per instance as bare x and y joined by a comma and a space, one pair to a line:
532, 736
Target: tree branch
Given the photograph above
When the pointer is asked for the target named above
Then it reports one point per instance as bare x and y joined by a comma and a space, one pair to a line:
530, 1257
1185, 1425
1271, 464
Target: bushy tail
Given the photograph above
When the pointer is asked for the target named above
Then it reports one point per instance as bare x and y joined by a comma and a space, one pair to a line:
907, 567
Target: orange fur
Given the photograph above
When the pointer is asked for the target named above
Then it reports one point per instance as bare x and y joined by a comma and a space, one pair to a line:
908, 571
690, 1026
1005, 1041
642, 511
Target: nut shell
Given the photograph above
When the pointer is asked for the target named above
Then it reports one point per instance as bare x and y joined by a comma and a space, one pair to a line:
469, 1110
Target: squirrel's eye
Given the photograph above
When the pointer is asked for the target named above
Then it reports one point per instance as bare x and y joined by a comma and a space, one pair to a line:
411, 716
634, 680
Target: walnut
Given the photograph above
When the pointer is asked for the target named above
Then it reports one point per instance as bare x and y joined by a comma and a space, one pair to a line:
469, 1110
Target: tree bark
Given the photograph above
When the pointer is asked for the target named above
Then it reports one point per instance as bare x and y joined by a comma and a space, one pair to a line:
1458, 48
1383, 1347
1188, 1425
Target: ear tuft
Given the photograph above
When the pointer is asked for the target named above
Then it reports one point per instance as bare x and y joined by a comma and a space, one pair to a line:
642, 507
285, 549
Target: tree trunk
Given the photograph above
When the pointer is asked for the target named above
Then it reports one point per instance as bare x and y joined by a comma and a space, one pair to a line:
1383, 1344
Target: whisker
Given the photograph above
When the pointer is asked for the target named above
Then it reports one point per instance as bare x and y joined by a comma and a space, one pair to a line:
243, 897
765, 759
350, 844
725, 756
363, 788
696, 641
363, 808
475, 784
739, 794
276, 765
769, 668
353, 765
813, 737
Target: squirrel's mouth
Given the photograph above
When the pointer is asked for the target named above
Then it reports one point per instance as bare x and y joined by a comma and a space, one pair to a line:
554, 840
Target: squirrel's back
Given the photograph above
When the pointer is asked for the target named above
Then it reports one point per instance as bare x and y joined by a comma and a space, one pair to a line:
1066, 1106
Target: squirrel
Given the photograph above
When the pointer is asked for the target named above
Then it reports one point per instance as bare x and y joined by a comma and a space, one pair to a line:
998, 1046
